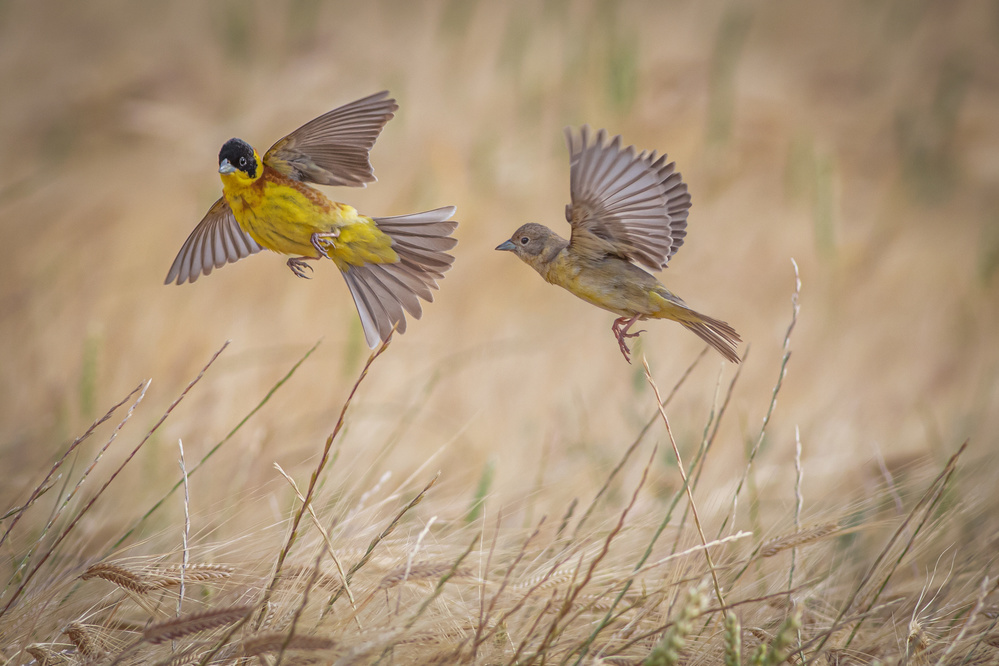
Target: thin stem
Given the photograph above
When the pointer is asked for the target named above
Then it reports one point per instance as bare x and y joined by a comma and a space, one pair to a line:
683, 475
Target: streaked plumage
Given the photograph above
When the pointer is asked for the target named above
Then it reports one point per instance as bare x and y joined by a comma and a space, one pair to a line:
626, 209
388, 263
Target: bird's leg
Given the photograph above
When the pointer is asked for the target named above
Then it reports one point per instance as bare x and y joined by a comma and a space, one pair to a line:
324, 241
620, 329
298, 266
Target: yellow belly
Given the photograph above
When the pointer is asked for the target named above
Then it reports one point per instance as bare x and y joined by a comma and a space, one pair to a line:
283, 217
612, 284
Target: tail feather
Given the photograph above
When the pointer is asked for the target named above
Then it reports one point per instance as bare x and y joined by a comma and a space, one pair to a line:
410, 278
386, 300
369, 307
716, 333
437, 260
713, 331
383, 293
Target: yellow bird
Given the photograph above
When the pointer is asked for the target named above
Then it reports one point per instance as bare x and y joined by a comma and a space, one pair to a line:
389, 263
625, 209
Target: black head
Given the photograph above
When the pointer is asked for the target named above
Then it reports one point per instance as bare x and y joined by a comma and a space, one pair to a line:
240, 155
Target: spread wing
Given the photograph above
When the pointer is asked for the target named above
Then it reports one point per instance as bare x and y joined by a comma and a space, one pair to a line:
333, 149
216, 241
633, 206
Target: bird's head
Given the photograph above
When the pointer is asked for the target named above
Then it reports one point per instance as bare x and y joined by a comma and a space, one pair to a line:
535, 244
238, 160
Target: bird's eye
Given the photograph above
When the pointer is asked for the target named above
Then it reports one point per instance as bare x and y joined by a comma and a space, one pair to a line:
524, 240
242, 161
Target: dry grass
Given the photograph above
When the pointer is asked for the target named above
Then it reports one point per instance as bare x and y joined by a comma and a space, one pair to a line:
498, 487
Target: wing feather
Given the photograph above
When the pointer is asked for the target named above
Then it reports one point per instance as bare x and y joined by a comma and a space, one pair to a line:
217, 240
631, 205
333, 149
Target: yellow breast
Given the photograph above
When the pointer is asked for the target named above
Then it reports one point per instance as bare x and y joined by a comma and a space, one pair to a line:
613, 284
282, 215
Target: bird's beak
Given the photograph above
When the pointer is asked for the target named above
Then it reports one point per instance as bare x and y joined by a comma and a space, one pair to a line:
508, 245
226, 167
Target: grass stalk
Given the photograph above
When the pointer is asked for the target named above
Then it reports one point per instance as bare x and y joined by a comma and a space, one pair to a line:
574, 591
58, 511
928, 500
481, 637
215, 448
326, 540
45, 483
185, 557
638, 440
378, 539
314, 479
686, 485
73, 523
697, 464
795, 308
310, 584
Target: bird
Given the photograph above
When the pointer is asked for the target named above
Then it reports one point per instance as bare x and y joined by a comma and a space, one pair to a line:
389, 263
627, 210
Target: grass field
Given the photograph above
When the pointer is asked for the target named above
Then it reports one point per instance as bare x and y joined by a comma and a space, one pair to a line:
499, 487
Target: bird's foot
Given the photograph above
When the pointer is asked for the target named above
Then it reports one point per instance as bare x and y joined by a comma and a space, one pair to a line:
620, 329
323, 242
298, 266
624, 348
622, 325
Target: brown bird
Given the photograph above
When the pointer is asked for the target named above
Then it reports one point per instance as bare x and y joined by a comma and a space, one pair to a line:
625, 209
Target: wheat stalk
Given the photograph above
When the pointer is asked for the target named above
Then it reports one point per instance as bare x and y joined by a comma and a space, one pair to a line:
667, 652
326, 539
119, 575
798, 539
87, 638
263, 643
46, 656
100, 491
143, 581
418, 572
733, 640
194, 623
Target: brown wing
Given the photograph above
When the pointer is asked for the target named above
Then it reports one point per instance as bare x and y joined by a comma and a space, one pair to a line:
633, 206
333, 149
216, 241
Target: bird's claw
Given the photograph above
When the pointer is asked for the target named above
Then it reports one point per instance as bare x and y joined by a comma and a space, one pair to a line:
298, 266
323, 242
624, 349
620, 329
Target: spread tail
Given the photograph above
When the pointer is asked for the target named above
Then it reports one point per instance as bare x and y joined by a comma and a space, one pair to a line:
383, 293
716, 333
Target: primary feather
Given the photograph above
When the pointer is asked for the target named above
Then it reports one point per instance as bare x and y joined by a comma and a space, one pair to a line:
333, 149
216, 241
632, 206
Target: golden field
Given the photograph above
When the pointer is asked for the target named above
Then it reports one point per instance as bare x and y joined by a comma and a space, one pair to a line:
856, 138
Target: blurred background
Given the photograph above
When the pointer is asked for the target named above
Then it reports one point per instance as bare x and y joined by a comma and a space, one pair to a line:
858, 138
